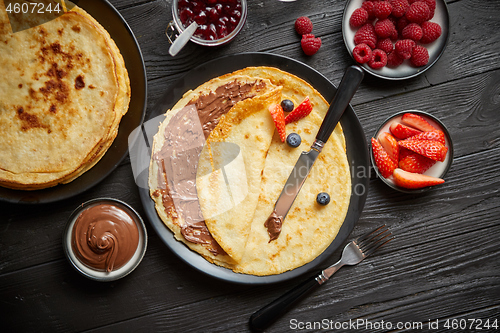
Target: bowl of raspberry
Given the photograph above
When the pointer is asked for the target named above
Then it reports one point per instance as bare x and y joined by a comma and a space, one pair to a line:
412, 151
396, 39
218, 21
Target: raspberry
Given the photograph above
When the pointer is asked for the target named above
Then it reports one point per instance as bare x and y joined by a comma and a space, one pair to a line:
412, 31
366, 34
401, 23
399, 7
432, 7
358, 18
303, 25
420, 56
404, 48
362, 53
384, 28
418, 12
395, 36
310, 44
431, 32
393, 60
385, 45
378, 60
382, 9
368, 6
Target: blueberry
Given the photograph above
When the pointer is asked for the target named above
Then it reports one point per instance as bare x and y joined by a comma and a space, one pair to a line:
287, 105
323, 198
293, 140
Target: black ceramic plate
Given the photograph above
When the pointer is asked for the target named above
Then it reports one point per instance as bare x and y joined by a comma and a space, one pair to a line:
121, 33
404, 71
357, 152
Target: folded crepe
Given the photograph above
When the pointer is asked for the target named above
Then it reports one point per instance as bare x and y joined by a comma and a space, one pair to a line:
230, 171
218, 111
242, 169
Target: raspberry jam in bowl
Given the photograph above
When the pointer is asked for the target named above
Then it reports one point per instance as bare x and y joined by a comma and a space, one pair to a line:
219, 21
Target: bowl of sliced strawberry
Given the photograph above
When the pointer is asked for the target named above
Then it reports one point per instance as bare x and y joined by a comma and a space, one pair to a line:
412, 151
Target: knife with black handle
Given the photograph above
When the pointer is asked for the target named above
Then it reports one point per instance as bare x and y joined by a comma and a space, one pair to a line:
346, 90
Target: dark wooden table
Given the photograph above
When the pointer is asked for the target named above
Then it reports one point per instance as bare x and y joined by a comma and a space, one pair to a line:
442, 268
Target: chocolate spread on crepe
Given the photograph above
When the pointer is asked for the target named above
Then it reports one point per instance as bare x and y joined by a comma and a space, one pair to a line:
177, 157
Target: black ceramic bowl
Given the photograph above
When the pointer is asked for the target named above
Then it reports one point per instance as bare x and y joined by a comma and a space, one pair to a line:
439, 169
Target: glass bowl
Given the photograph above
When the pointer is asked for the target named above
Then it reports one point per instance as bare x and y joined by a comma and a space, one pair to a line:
176, 27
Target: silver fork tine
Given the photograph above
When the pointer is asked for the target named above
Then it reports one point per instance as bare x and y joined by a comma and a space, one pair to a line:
369, 243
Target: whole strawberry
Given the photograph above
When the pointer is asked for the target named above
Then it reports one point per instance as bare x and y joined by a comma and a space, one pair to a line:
310, 44
303, 25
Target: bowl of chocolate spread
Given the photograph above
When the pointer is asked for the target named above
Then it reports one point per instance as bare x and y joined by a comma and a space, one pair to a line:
105, 239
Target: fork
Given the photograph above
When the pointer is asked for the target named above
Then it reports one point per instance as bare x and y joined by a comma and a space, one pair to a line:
353, 253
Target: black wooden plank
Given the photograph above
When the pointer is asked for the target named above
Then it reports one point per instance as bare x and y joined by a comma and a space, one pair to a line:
449, 250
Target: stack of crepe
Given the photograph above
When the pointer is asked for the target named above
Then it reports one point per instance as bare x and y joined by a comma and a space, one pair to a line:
237, 188
66, 92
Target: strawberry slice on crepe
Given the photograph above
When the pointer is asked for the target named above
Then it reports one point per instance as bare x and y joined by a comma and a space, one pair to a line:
279, 120
302, 110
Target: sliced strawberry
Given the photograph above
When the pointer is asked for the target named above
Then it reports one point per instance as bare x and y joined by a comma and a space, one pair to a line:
413, 162
417, 121
390, 145
412, 180
435, 135
401, 131
384, 163
279, 120
301, 111
432, 149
